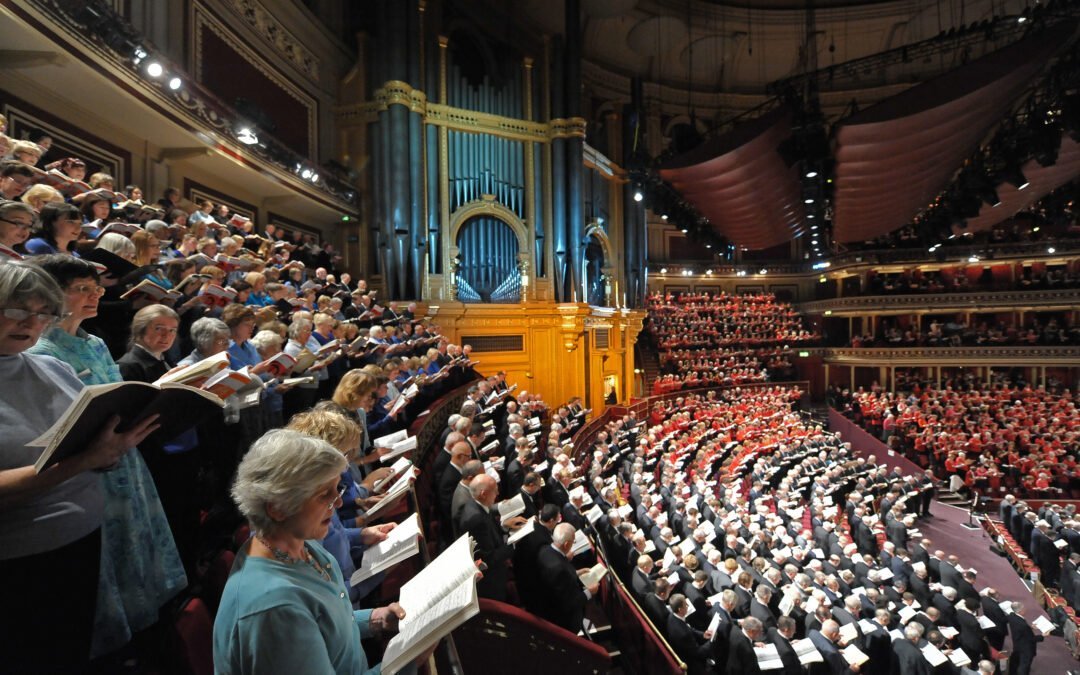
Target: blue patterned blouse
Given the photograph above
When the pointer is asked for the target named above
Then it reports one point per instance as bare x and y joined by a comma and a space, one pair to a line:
140, 566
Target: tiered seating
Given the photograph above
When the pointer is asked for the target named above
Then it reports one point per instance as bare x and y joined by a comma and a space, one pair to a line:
722, 340
1049, 332
989, 440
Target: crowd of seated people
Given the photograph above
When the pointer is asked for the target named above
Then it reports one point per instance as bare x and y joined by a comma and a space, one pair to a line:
984, 440
915, 282
956, 333
720, 340
748, 526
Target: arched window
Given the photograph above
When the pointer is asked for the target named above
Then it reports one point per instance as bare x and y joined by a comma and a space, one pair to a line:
488, 268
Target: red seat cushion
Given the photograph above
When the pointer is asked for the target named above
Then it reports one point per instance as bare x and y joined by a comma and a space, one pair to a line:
194, 638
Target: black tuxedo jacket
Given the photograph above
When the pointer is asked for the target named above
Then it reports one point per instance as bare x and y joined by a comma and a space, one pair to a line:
786, 652
909, 660
564, 598
527, 567
490, 547
690, 645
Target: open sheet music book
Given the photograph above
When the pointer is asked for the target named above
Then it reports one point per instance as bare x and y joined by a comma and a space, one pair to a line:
402, 543
522, 532
393, 495
509, 508
180, 407
396, 469
768, 658
593, 576
399, 448
854, 656
436, 601
807, 652
934, 656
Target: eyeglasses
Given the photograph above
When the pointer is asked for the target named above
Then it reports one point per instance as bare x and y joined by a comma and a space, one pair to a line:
21, 226
164, 330
87, 289
340, 495
16, 314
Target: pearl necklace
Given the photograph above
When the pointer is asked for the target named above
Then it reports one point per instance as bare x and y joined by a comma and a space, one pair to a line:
305, 557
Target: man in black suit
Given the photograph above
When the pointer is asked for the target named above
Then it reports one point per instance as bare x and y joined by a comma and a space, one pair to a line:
448, 483
909, 659
759, 607
740, 655
641, 579
945, 603
781, 638
491, 546
825, 640
1023, 642
526, 558
692, 646
530, 494
947, 573
991, 609
564, 597
572, 511
656, 603
972, 637
1045, 554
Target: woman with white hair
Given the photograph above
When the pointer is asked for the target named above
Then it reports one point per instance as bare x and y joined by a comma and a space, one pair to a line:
114, 242
268, 344
286, 608
51, 522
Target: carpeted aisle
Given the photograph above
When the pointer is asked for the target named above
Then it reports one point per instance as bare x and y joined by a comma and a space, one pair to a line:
972, 547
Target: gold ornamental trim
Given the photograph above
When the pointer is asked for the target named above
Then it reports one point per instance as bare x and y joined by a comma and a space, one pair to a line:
396, 92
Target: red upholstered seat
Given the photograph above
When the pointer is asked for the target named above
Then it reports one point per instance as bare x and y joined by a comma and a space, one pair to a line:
194, 638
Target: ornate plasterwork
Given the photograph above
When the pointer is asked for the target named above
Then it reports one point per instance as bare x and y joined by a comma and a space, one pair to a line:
202, 19
271, 30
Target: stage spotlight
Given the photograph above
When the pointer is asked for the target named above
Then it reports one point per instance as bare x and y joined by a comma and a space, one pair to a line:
638, 196
305, 174
247, 136
154, 69
174, 83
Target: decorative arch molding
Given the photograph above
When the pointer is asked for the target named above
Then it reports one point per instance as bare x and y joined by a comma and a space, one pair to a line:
610, 269
595, 229
487, 206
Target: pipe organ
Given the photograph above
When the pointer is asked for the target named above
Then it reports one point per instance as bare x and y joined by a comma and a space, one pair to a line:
481, 195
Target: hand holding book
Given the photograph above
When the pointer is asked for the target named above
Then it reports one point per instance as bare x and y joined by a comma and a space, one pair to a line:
109, 446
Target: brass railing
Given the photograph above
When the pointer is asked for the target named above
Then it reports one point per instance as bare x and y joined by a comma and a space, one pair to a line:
1009, 355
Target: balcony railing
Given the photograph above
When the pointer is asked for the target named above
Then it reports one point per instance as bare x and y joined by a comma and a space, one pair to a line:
926, 302
896, 356
92, 29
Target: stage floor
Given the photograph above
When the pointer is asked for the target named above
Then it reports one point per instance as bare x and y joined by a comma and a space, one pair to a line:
972, 546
